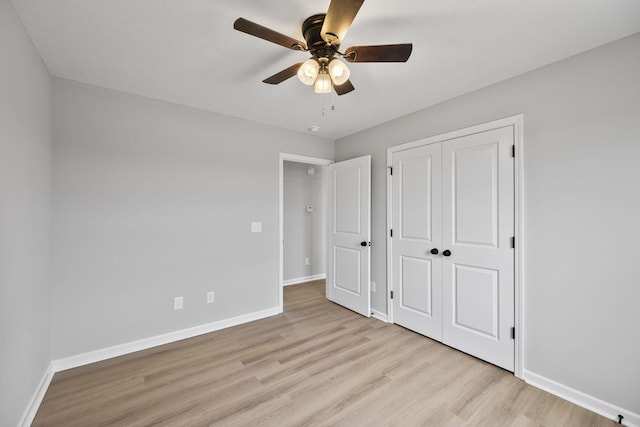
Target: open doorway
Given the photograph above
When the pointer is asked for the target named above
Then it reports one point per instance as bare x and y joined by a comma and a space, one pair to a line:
302, 220
303, 226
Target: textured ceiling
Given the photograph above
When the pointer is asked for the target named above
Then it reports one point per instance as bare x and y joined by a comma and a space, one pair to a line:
187, 52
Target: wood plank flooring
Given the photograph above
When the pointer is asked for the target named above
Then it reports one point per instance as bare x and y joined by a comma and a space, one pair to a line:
317, 364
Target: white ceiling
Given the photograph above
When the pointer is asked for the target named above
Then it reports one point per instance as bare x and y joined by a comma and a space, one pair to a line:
187, 52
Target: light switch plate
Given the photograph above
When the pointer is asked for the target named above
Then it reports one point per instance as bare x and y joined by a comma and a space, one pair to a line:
256, 227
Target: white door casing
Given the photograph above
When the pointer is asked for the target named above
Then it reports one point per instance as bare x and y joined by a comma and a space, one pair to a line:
417, 225
473, 288
349, 226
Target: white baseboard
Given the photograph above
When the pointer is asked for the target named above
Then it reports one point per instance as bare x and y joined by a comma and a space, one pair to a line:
299, 280
145, 343
30, 413
379, 315
591, 403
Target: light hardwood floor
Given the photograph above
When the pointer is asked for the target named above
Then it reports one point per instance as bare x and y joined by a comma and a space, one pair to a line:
315, 364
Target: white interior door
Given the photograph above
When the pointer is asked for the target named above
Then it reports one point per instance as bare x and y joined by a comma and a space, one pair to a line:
349, 234
456, 198
416, 239
478, 260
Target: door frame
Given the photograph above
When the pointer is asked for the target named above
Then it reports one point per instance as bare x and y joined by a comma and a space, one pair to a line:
297, 159
517, 123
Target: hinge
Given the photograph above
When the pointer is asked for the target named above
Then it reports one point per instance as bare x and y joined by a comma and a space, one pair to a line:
391, 294
513, 151
513, 242
513, 332
390, 170
391, 232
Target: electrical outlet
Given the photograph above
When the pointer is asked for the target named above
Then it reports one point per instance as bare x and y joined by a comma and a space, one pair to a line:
306, 261
210, 297
178, 303
373, 286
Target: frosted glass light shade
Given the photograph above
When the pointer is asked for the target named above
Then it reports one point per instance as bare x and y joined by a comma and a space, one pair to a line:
339, 72
323, 83
308, 71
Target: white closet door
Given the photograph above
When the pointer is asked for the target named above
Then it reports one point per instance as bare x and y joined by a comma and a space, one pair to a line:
478, 224
349, 234
416, 225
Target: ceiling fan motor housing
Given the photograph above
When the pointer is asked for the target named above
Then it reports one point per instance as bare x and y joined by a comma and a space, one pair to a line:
319, 48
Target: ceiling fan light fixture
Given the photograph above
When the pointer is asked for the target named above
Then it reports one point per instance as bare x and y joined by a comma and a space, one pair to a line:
308, 71
323, 34
339, 72
323, 83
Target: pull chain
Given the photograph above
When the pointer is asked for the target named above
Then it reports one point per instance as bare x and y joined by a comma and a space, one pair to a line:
323, 108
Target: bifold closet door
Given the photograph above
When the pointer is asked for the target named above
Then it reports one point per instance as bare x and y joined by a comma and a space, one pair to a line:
477, 227
417, 225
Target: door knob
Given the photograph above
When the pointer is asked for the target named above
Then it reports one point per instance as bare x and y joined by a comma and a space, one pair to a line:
434, 251
363, 243
446, 252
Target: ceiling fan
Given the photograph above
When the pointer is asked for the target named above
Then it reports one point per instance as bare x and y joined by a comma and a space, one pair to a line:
324, 34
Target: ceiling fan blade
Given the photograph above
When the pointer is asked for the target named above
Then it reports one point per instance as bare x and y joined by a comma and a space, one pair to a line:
382, 53
268, 34
338, 20
345, 87
283, 75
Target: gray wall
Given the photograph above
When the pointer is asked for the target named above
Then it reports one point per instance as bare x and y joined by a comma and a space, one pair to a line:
303, 232
151, 201
25, 181
582, 210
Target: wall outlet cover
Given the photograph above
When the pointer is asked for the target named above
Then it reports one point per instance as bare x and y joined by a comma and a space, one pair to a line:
256, 227
178, 303
210, 297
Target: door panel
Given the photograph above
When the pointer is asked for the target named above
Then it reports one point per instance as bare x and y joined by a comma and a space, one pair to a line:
416, 222
478, 223
348, 193
416, 198
347, 267
417, 286
475, 300
349, 217
475, 194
